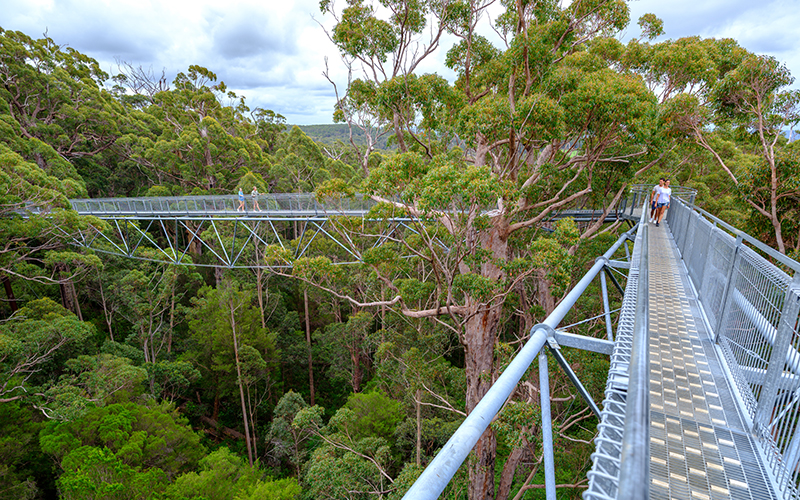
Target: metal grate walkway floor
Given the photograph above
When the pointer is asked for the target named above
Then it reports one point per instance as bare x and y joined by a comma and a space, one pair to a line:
699, 445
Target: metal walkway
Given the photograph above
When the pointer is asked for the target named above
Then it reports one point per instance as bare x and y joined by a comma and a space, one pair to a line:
700, 446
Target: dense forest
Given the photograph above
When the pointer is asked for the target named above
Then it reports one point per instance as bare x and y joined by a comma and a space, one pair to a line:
302, 378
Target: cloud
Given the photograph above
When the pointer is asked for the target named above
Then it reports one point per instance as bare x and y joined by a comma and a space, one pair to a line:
273, 52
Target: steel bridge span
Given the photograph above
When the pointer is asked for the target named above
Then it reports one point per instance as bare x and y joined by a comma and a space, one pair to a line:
220, 225
703, 393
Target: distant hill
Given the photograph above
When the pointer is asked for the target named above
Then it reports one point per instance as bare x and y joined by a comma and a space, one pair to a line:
329, 134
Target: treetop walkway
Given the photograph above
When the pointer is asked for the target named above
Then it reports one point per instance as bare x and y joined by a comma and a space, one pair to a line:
156, 222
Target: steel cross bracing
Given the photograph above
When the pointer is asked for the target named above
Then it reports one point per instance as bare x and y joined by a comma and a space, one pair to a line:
226, 239
168, 229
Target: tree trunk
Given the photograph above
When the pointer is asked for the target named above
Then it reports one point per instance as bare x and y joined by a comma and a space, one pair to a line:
241, 389
358, 371
479, 339
308, 346
106, 312
398, 131
12, 300
418, 404
509, 469
171, 319
69, 297
260, 287
480, 335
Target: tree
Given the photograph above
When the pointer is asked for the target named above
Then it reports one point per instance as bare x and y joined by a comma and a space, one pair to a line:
737, 107
150, 298
348, 464
129, 438
541, 126
754, 97
285, 440
201, 142
223, 325
344, 346
385, 48
31, 340
223, 474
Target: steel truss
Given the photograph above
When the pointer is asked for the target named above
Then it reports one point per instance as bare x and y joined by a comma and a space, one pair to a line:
176, 240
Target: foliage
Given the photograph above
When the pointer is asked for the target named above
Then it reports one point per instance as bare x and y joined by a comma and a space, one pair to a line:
222, 474
142, 438
40, 336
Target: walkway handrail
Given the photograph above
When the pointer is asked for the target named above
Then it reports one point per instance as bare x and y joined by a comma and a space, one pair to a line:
438, 473
634, 482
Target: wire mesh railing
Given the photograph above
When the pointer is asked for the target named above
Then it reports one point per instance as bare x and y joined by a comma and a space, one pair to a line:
752, 306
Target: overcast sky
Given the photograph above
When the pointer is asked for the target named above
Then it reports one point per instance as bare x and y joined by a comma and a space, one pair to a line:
273, 51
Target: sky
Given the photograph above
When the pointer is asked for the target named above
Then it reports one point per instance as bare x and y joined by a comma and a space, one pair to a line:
273, 52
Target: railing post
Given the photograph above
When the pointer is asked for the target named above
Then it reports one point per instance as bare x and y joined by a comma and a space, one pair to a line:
728, 284
690, 211
606, 307
777, 359
547, 428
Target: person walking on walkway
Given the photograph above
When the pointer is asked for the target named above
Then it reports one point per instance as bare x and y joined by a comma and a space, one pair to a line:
664, 195
241, 201
254, 194
654, 199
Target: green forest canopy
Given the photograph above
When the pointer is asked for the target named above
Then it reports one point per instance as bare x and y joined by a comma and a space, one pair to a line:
332, 382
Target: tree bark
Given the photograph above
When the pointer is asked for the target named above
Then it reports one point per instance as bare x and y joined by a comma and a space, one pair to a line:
12, 300
510, 467
308, 347
480, 335
241, 389
479, 339
418, 404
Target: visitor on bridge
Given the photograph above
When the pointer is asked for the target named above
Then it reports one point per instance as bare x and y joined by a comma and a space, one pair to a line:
664, 194
654, 199
241, 200
254, 194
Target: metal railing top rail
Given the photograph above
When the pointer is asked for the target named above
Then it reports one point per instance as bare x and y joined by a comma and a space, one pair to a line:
438, 473
634, 476
683, 192
269, 203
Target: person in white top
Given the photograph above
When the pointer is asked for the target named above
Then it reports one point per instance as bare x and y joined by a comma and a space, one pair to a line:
654, 199
664, 195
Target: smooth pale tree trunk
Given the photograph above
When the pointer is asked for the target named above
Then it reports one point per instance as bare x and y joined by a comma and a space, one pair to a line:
241, 389
418, 404
106, 313
308, 346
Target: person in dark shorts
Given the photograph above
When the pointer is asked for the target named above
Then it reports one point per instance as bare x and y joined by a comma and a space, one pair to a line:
654, 199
